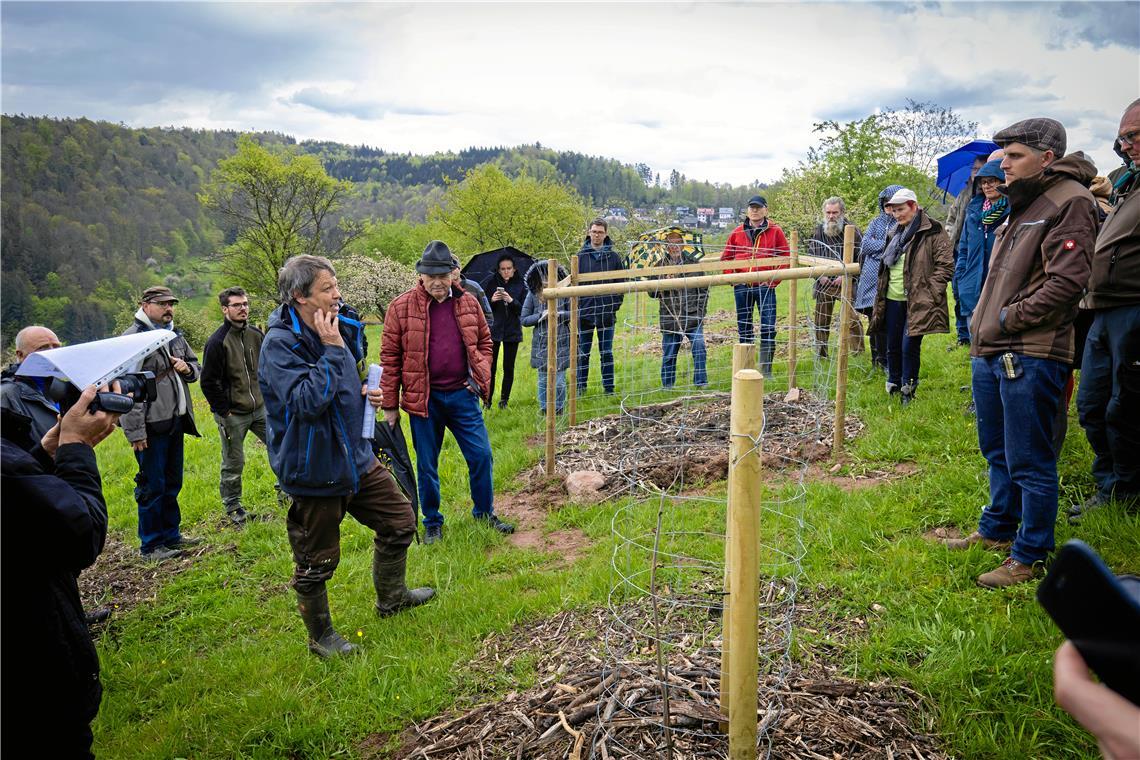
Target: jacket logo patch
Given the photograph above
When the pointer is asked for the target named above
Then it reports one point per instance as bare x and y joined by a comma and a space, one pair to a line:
1070, 245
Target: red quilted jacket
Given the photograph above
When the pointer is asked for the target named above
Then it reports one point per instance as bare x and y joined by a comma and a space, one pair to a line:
404, 348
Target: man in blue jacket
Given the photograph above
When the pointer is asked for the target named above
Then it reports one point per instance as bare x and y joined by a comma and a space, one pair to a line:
597, 314
309, 379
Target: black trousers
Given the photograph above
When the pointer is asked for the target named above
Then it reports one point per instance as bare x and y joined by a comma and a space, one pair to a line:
510, 351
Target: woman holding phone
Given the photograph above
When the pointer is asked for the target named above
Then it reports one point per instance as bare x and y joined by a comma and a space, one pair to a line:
507, 291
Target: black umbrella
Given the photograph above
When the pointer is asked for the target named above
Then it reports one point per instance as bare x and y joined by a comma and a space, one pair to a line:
389, 446
482, 265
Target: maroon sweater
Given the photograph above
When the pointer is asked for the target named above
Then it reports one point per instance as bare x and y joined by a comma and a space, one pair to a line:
447, 359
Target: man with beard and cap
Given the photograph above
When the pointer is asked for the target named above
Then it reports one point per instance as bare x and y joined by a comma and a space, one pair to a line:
155, 429
597, 314
1022, 341
871, 249
1109, 395
826, 242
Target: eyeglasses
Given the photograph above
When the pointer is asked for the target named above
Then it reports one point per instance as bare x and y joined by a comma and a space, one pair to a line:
1128, 138
240, 305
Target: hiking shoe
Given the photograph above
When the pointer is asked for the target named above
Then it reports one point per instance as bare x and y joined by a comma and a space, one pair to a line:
433, 533
976, 538
503, 403
1096, 501
95, 617
907, 393
238, 516
1010, 573
184, 542
161, 554
892, 388
494, 521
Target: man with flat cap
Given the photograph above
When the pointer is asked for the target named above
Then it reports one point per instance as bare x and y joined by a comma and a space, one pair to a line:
436, 355
156, 428
1022, 338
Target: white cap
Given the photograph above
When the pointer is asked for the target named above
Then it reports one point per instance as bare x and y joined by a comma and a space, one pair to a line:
902, 196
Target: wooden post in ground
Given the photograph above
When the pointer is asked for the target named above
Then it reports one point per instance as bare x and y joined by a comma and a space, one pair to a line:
741, 622
551, 364
845, 313
793, 317
572, 371
743, 357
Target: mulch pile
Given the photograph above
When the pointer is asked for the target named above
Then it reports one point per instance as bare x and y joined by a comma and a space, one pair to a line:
584, 707
685, 441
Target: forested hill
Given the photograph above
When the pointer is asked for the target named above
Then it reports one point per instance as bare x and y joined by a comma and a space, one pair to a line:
93, 211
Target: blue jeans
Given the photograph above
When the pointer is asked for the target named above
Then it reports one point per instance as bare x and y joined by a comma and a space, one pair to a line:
904, 351
460, 412
605, 350
1109, 400
1015, 433
559, 390
157, 485
763, 298
671, 344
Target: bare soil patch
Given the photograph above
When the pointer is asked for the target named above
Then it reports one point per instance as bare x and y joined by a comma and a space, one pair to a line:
582, 706
942, 532
528, 509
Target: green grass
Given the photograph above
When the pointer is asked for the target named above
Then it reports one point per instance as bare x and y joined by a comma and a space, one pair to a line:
216, 666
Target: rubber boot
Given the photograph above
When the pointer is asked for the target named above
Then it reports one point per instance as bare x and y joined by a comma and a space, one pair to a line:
389, 566
324, 641
766, 354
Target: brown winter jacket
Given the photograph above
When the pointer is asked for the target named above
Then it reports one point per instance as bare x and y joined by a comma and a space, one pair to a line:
928, 267
1039, 266
1115, 278
404, 348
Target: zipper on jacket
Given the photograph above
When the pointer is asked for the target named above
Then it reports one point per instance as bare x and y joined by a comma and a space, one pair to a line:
344, 446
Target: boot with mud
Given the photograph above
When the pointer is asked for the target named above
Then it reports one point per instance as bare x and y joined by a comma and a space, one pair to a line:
389, 567
324, 641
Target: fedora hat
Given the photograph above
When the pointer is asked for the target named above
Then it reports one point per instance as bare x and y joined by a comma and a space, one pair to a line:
436, 259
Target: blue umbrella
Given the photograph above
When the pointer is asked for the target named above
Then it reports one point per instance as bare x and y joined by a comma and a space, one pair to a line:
954, 167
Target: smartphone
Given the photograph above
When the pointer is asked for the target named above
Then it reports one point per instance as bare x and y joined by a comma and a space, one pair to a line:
1099, 612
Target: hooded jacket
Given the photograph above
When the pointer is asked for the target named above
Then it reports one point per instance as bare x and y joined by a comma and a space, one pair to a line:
748, 242
313, 410
976, 242
1115, 276
927, 268
1040, 265
157, 417
871, 249
600, 311
506, 327
21, 396
404, 348
534, 315
682, 310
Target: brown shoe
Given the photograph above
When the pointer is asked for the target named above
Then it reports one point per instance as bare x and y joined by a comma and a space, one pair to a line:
1010, 573
976, 538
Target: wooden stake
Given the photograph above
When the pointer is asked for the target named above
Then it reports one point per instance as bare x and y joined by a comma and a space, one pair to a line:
744, 488
793, 319
551, 364
572, 372
845, 314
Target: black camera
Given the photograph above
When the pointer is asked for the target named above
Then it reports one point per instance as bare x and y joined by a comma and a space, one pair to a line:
134, 387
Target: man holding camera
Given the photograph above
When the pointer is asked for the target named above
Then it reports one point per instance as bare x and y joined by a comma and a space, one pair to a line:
315, 410
25, 395
155, 429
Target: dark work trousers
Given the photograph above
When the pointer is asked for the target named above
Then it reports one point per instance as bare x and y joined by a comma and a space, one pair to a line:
586, 332
960, 324
825, 305
157, 486
1109, 400
904, 351
232, 430
510, 350
877, 339
314, 525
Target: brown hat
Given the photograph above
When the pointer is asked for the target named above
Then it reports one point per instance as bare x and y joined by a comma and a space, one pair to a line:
158, 294
1040, 134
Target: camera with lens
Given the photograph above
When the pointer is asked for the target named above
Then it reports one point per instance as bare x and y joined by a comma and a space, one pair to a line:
134, 388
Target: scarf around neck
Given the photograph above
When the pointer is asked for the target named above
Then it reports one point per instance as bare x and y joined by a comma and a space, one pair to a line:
993, 211
900, 241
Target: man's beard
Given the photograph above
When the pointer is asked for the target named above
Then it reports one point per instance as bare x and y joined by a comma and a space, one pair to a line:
833, 228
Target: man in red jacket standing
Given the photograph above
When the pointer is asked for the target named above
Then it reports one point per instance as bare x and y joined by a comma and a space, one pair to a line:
437, 349
757, 238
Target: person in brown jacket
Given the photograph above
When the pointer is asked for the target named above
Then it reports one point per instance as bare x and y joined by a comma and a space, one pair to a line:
911, 297
437, 348
1022, 341
1109, 395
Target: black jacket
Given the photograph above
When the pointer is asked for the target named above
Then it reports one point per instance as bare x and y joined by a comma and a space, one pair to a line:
20, 395
599, 310
216, 380
506, 328
55, 523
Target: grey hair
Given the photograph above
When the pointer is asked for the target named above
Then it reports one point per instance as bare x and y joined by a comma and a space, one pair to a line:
297, 276
22, 336
833, 201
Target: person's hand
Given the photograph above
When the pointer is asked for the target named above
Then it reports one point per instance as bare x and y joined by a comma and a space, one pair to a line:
138, 445
180, 366
375, 396
392, 417
328, 328
1112, 719
81, 426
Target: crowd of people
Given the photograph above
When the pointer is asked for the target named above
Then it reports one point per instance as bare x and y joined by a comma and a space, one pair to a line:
1027, 254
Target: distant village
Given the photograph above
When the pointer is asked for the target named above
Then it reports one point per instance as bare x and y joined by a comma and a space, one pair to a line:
684, 216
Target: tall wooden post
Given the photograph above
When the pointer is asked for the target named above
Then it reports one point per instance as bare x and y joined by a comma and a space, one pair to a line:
572, 372
551, 364
845, 314
741, 635
793, 317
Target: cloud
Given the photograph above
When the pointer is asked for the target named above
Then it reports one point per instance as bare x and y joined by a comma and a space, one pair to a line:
1098, 24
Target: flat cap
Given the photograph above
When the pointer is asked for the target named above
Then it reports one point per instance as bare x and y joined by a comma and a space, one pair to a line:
1039, 133
159, 294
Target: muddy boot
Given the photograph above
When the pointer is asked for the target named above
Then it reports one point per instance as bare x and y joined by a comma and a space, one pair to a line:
766, 354
324, 641
389, 566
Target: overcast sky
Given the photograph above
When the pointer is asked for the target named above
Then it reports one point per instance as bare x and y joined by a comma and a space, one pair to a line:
726, 92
